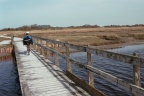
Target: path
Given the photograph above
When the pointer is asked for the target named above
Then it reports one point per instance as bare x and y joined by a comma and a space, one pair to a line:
39, 77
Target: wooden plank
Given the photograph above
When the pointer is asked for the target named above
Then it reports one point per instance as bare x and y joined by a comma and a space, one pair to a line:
6, 46
136, 74
68, 63
119, 82
56, 57
5, 57
117, 56
52, 41
90, 74
5, 54
47, 51
39, 78
83, 84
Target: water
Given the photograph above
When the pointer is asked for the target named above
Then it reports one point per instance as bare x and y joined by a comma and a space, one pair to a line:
118, 69
9, 82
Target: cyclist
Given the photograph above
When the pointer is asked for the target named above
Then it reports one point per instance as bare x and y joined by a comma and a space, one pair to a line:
27, 40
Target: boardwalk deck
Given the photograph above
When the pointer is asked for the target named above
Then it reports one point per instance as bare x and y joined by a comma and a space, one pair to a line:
39, 77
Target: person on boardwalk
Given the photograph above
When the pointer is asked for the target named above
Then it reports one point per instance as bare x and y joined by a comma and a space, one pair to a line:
27, 40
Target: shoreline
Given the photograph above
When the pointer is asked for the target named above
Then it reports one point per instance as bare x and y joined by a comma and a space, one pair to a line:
113, 46
106, 47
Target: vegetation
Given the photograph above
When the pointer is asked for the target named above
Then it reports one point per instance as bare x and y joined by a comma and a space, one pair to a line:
45, 27
89, 35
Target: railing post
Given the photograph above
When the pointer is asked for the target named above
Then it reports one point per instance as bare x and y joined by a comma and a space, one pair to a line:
68, 63
34, 43
136, 74
12, 39
4, 49
41, 47
56, 58
37, 47
42, 51
48, 52
7, 50
90, 74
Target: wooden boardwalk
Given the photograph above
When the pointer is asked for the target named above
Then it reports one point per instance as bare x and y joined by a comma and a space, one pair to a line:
39, 77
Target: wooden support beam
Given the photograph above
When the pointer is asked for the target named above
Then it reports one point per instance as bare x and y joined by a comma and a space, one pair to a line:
136, 74
83, 84
68, 63
41, 49
36, 44
56, 58
90, 74
48, 52
12, 39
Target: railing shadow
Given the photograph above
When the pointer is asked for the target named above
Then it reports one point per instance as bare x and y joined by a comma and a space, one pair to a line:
57, 71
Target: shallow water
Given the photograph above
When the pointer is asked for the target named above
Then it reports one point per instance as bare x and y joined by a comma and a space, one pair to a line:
9, 82
118, 69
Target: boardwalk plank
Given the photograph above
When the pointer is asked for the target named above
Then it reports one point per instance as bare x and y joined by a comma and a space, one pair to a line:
43, 78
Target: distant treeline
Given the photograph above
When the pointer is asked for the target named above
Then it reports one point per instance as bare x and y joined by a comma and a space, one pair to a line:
136, 25
44, 27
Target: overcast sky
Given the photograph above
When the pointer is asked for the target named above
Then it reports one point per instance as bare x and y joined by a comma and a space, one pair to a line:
16, 13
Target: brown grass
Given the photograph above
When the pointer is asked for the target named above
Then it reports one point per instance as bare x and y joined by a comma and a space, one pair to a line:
90, 36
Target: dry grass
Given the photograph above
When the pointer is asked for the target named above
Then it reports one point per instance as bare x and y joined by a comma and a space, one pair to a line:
90, 36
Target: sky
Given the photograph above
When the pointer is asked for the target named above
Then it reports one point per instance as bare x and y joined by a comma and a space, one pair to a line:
63, 13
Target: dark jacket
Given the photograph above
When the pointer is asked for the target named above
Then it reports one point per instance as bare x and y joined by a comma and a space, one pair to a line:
31, 40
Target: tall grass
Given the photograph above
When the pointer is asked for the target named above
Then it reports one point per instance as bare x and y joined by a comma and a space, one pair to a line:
90, 36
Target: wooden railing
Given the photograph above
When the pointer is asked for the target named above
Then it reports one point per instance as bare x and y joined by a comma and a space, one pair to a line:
42, 44
5, 57
5, 49
5, 52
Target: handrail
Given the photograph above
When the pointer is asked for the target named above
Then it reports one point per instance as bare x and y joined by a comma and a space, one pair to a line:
6, 49
116, 81
5, 46
5, 52
116, 56
5, 57
112, 55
